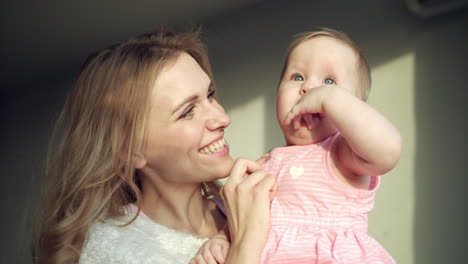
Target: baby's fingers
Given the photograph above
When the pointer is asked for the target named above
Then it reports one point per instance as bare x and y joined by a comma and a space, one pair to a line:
309, 121
289, 118
198, 259
206, 257
316, 119
297, 122
295, 115
219, 253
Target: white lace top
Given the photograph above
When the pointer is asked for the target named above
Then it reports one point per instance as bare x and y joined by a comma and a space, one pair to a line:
143, 241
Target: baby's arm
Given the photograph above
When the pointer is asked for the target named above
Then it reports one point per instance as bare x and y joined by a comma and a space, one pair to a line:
369, 143
214, 250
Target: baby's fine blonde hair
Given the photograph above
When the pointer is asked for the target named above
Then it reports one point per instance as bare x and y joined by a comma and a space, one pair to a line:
362, 66
89, 174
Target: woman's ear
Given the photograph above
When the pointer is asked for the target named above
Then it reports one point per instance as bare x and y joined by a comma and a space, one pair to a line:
138, 160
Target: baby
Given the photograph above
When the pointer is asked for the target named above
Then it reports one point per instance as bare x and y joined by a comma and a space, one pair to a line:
328, 174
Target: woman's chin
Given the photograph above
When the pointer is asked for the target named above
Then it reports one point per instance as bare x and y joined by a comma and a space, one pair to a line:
224, 169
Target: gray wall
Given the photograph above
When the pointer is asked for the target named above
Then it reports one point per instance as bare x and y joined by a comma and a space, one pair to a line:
247, 47
27, 118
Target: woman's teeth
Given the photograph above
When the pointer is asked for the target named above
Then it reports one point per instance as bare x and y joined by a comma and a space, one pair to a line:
215, 147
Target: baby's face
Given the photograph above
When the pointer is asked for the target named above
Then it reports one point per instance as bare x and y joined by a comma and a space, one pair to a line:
316, 62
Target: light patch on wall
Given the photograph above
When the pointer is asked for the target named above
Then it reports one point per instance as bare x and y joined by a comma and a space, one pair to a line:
392, 94
246, 132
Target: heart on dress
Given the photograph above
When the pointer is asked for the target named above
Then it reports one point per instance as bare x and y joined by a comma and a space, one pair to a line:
296, 171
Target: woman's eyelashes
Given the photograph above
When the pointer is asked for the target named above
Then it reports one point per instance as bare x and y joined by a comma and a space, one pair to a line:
211, 95
188, 113
190, 110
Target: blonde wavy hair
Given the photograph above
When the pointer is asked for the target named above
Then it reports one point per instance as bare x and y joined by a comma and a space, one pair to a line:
89, 175
362, 66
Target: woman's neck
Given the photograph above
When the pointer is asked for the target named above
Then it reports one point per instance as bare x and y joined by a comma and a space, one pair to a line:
181, 207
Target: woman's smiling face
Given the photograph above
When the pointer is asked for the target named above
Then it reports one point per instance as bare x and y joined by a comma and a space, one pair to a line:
185, 139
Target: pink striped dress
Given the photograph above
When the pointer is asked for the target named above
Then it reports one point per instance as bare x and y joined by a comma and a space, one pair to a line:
317, 218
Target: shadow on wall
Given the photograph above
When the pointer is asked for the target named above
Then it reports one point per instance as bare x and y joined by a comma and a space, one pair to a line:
441, 214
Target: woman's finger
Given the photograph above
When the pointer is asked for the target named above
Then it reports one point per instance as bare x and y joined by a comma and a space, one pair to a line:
268, 183
251, 180
261, 161
240, 168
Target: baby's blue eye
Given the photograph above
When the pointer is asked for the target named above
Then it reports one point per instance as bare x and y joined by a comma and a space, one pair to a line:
298, 78
329, 81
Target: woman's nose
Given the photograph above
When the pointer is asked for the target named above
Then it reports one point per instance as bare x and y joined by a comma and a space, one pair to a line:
218, 119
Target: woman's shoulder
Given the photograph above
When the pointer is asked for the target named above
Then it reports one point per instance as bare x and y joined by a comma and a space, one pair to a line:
142, 241
108, 242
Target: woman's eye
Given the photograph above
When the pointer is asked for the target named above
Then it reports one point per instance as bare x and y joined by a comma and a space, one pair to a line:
211, 95
298, 78
187, 113
329, 81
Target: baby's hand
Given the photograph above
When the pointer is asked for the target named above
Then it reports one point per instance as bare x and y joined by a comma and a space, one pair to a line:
212, 251
310, 108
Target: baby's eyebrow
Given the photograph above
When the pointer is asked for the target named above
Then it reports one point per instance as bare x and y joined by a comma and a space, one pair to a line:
294, 66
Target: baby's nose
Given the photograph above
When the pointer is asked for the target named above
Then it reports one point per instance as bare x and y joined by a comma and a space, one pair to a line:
306, 86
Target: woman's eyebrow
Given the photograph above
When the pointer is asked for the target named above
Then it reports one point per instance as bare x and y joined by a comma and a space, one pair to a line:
191, 98
186, 100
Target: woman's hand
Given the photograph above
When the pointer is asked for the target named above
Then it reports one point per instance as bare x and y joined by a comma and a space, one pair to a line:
246, 197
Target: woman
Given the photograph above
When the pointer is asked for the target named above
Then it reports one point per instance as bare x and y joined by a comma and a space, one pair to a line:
136, 154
